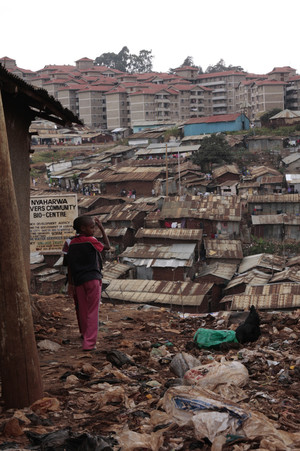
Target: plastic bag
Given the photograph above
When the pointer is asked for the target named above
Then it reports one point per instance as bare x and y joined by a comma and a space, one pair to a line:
207, 338
213, 374
182, 362
209, 414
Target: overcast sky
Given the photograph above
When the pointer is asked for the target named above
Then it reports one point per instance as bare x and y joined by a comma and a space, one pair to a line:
257, 35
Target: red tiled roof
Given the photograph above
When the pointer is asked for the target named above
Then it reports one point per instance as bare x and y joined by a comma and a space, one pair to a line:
269, 82
117, 90
95, 89
279, 70
294, 78
84, 59
220, 74
56, 81
212, 119
184, 68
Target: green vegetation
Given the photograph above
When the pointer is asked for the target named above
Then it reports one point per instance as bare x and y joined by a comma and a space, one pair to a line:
126, 61
260, 246
214, 150
174, 131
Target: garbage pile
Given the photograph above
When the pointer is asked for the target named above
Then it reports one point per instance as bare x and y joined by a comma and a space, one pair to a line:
150, 385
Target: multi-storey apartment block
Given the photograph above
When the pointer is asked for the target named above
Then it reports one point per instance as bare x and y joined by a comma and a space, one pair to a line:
223, 85
108, 98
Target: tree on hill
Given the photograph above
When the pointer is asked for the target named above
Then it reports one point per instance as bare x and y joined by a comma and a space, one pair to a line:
214, 150
140, 63
221, 67
189, 61
126, 62
265, 118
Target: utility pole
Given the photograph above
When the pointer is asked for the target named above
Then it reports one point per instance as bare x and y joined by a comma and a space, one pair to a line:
167, 181
20, 368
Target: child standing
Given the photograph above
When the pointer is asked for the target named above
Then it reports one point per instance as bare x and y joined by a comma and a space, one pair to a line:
85, 264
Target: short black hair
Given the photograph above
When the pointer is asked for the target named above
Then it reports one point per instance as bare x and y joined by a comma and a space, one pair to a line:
81, 221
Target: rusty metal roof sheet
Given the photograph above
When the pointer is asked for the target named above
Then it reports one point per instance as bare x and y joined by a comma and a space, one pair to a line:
291, 274
173, 234
263, 302
160, 251
112, 270
285, 288
253, 277
213, 207
275, 219
223, 270
115, 232
146, 176
231, 168
258, 171
158, 292
274, 198
218, 248
87, 201
293, 261
271, 262
271, 180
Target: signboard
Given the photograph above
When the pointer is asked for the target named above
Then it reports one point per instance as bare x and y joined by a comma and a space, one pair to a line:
51, 221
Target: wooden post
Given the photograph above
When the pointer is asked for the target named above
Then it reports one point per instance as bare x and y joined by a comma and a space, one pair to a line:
167, 175
20, 369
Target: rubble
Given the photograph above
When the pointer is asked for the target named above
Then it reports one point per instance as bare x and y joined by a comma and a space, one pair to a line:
129, 393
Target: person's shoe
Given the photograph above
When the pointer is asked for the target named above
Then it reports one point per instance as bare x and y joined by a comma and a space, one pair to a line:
89, 349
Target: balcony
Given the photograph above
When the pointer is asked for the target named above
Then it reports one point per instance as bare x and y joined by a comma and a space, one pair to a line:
219, 98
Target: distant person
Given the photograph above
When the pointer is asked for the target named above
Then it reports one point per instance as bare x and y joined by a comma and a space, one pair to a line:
85, 264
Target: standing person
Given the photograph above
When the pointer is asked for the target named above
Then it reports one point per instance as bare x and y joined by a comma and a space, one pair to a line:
85, 264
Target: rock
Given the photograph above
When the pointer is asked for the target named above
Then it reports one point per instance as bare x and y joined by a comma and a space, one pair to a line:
48, 345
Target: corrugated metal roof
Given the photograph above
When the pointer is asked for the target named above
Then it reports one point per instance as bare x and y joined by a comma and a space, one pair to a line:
173, 234
269, 261
112, 270
213, 207
266, 180
293, 261
274, 198
291, 274
258, 171
261, 302
223, 270
158, 292
253, 277
182, 251
275, 219
285, 288
218, 248
131, 176
115, 232
232, 168
291, 158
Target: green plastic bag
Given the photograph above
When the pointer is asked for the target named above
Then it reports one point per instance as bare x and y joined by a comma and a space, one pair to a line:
206, 338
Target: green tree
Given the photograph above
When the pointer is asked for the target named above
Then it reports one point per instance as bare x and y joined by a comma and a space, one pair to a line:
265, 118
140, 63
126, 62
221, 67
214, 150
189, 61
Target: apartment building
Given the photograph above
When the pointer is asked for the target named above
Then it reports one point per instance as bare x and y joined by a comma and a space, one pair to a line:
68, 96
108, 98
281, 73
292, 94
92, 106
253, 98
223, 86
117, 108
188, 73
